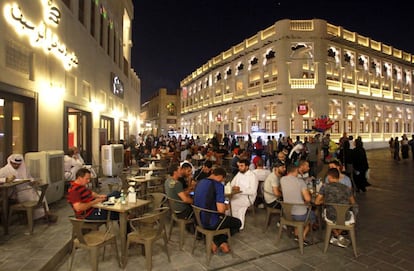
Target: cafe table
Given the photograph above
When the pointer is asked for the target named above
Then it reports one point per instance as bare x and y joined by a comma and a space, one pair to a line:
143, 182
5, 187
152, 168
123, 210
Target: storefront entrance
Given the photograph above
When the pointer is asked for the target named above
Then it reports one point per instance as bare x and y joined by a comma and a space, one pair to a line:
18, 129
79, 132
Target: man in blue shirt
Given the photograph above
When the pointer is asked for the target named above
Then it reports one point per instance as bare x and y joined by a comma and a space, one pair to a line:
209, 194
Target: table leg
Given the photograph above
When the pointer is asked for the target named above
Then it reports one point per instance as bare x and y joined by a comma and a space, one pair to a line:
5, 213
123, 235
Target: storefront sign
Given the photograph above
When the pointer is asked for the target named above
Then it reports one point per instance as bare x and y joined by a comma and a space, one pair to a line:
117, 86
41, 34
303, 109
218, 117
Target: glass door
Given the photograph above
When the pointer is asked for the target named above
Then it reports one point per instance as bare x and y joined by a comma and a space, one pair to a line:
79, 125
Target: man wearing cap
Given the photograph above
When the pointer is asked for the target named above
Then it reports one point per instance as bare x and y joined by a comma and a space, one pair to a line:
16, 169
204, 171
271, 187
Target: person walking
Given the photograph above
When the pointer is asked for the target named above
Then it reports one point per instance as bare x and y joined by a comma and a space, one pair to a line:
411, 144
396, 149
360, 164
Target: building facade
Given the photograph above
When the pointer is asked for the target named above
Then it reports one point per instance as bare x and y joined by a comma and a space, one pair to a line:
286, 76
160, 114
66, 75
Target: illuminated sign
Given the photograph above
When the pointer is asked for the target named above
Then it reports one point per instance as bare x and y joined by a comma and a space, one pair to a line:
41, 34
303, 109
117, 85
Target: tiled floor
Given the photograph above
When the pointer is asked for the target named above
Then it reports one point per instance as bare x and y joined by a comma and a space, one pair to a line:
384, 237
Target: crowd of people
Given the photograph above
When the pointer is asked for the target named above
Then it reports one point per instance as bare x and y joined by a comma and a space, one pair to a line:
260, 174
402, 147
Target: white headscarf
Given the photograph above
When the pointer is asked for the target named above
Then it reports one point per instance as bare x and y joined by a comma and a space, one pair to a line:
8, 170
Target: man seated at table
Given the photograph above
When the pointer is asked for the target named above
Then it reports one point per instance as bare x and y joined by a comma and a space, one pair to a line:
294, 190
343, 179
16, 169
175, 190
336, 192
261, 174
246, 182
83, 199
271, 187
186, 176
204, 171
209, 194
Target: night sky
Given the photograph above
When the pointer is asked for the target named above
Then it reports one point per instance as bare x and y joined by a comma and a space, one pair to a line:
172, 38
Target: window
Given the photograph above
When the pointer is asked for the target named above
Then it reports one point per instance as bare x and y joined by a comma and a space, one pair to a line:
386, 127
115, 45
81, 11
108, 37
274, 126
92, 30
101, 26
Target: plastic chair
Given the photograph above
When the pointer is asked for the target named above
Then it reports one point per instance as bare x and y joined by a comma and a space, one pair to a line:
91, 240
209, 233
157, 199
182, 222
30, 206
269, 212
146, 230
286, 219
340, 224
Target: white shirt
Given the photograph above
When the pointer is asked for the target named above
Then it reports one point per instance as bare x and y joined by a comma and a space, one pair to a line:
248, 185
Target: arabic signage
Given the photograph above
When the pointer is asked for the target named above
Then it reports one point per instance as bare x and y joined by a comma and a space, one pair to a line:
41, 34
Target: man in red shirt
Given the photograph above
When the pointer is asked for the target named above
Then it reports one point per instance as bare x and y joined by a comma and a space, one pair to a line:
83, 199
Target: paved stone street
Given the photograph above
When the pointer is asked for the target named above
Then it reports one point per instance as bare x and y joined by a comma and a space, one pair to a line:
384, 237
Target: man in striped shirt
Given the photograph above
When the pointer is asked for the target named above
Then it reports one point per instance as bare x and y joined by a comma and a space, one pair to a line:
83, 199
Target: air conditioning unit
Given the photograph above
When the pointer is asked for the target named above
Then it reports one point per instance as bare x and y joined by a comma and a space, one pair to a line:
48, 167
112, 159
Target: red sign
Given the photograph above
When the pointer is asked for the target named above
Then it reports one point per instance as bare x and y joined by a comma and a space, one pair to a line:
303, 109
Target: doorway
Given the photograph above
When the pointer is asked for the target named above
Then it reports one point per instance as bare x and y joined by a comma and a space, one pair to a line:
18, 125
78, 125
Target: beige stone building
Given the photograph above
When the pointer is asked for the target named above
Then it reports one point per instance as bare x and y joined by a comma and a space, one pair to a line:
285, 76
66, 76
160, 114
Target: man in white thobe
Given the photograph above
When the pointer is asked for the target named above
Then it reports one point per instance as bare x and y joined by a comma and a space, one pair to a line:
246, 182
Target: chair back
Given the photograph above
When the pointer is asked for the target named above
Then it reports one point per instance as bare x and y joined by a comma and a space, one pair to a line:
82, 225
77, 225
154, 221
157, 199
286, 211
197, 213
173, 206
341, 211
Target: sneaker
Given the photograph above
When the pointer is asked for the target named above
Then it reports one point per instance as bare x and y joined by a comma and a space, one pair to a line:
343, 242
305, 242
340, 242
333, 241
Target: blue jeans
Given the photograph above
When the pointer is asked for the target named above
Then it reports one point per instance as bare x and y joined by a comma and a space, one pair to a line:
99, 214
